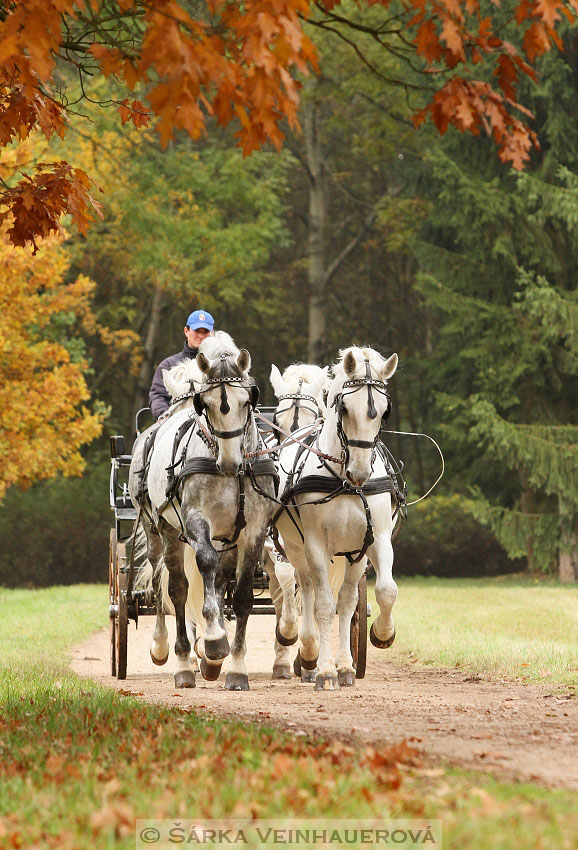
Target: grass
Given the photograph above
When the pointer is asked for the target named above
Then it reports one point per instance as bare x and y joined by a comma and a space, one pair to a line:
79, 763
509, 628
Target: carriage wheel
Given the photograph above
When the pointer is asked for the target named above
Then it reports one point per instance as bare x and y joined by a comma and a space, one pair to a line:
358, 631
112, 598
122, 616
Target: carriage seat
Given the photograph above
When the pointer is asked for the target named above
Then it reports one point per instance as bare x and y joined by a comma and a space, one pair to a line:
267, 413
118, 450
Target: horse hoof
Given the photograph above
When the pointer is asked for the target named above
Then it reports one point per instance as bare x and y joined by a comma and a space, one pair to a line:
326, 682
210, 672
297, 665
346, 678
236, 682
159, 661
281, 671
283, 640
380, 644
185, 679
216, 650
308, 665
308, 676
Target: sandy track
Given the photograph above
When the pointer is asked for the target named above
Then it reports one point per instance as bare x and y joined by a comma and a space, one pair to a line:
510, 730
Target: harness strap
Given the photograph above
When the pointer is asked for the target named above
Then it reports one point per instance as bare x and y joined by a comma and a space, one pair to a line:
179, 434
142, 473
322, 484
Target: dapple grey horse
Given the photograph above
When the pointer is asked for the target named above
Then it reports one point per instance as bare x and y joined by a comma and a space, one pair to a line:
202, 495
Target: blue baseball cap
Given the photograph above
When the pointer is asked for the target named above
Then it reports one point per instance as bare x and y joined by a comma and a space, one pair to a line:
200, 319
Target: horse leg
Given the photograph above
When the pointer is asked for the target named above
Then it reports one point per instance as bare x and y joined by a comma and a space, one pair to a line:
210, 669
192, 635
306, 660
216, 645
288, 622
178, 590
382, 631
346, 602
237, 678
324, 609
159, 648
278, 589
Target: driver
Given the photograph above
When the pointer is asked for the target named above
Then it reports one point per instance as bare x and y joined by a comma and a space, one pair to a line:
200, 325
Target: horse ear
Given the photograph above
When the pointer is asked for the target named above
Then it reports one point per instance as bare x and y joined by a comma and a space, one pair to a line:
203, 362
244, 360
277, 381
173, 387
349, 363
389, 367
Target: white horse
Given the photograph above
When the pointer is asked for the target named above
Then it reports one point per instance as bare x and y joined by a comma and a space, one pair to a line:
300, 391
203, 492
352, 494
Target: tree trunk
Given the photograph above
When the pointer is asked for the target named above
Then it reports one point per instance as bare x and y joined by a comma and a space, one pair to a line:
147, 366
316, 228
528, 506
568, 558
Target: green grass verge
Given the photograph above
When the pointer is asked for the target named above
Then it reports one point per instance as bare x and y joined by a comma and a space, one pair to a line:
79, 763
511, 628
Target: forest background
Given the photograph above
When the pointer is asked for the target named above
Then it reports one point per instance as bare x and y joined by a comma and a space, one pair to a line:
362, 229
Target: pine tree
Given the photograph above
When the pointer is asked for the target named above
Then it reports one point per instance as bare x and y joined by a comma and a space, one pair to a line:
500, 259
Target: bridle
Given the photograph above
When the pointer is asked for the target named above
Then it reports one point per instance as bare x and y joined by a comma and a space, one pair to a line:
297, 405
222, 381
354, 386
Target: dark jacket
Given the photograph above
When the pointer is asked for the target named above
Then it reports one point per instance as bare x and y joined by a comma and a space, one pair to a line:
158, 396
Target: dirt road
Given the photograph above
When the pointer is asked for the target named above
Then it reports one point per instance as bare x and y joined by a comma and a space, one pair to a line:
510, 730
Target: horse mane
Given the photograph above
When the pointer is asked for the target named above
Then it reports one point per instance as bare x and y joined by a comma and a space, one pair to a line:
222, 345
219, 343
309, 372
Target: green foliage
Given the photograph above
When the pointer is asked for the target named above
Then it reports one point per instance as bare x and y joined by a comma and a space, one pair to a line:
443, 538
56, 532
499, 259
513, 529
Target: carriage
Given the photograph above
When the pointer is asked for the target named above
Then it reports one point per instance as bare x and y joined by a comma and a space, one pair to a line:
128, 602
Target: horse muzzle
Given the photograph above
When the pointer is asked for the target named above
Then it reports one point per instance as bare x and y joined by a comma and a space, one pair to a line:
357, 477
229, 468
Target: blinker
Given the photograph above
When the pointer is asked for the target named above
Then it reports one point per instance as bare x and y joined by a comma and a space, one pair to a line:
198, 404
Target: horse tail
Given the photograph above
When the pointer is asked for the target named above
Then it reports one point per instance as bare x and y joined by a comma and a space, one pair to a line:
143, 577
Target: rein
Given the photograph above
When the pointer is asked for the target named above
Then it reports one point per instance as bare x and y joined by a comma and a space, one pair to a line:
291, 438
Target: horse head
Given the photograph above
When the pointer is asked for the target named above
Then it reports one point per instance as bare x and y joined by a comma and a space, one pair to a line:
359, 404
226, 397
299, 390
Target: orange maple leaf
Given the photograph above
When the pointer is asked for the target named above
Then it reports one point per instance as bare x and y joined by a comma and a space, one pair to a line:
427, 42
